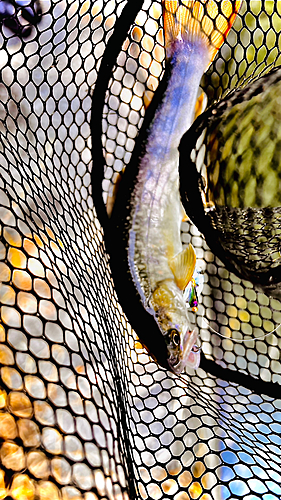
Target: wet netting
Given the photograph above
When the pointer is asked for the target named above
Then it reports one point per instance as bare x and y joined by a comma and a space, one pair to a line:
85, 413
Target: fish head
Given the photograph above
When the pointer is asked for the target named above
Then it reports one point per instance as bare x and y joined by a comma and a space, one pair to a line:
182, 350
170, 312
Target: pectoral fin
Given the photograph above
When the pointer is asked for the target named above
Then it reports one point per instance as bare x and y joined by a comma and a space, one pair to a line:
182, 266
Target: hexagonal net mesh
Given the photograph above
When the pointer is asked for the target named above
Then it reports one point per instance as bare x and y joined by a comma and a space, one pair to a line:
84, 411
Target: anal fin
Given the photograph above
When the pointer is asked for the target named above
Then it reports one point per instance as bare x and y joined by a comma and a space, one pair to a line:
182, 266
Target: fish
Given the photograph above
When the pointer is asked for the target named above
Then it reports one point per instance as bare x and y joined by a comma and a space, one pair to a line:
160, 267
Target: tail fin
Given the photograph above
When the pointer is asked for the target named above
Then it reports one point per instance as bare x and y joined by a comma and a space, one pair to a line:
190, 19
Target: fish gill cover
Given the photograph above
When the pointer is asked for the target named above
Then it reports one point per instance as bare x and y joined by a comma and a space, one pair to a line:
84, 411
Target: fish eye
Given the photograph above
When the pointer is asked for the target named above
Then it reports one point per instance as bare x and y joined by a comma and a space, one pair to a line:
174, 336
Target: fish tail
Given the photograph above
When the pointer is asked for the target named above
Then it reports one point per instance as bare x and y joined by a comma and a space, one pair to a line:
190, 20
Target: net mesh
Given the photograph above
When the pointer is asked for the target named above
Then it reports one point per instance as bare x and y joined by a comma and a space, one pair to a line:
84, 411
236, 163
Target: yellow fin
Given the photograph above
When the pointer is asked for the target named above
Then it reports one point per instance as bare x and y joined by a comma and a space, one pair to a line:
182, 266
200, 105
190, 19
184, 216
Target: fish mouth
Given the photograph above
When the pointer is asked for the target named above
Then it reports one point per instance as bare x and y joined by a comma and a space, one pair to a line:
189, 356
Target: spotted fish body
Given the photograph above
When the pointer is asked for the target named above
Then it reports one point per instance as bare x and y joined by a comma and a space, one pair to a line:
159, 265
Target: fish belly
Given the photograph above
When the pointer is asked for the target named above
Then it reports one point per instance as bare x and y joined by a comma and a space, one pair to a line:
154, 237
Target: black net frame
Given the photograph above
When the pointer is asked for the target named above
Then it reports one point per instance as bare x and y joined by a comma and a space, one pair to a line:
85, 412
